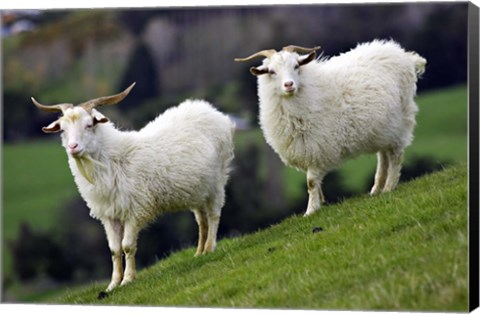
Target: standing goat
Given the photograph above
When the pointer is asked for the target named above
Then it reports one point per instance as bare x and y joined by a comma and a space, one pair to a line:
178, 161
317, 113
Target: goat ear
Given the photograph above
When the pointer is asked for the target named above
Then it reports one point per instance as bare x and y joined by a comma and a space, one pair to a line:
52, 127
307, 58
99, 118
259, 70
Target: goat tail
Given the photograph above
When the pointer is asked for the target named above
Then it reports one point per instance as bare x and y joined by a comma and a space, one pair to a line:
419, 63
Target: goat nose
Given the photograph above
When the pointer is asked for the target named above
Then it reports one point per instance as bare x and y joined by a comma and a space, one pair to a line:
288, 84
73, 145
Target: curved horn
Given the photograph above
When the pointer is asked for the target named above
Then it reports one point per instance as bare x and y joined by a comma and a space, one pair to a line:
106, 100
292, 48
264, 53
52, 108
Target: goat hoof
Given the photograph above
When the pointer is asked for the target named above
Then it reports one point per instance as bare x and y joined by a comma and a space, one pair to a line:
102, 295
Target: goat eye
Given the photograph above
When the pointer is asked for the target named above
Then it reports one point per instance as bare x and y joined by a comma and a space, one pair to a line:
271, 72
297, 66
88, 126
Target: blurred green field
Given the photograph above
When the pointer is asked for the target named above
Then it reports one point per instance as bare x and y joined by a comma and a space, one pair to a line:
37, 181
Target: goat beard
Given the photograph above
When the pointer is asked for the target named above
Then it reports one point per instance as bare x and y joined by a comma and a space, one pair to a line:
86, 166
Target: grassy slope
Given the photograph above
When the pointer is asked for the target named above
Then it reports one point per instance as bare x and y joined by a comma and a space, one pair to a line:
402, 250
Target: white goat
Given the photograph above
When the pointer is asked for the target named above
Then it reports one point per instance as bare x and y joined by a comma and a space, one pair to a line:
317, 113
178, 161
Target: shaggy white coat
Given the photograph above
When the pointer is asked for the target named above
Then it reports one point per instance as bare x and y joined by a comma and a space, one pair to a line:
178, 161
358, 102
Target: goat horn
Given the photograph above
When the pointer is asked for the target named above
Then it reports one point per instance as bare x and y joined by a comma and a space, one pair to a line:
264, 53
293, 48
52, 108
106, 100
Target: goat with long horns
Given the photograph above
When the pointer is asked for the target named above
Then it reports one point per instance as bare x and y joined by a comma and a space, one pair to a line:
180, 160
317, 113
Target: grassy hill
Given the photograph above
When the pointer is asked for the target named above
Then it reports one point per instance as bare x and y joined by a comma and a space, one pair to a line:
406, 250
37, 182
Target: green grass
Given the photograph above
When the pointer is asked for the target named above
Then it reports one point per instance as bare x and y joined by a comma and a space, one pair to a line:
405, 250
